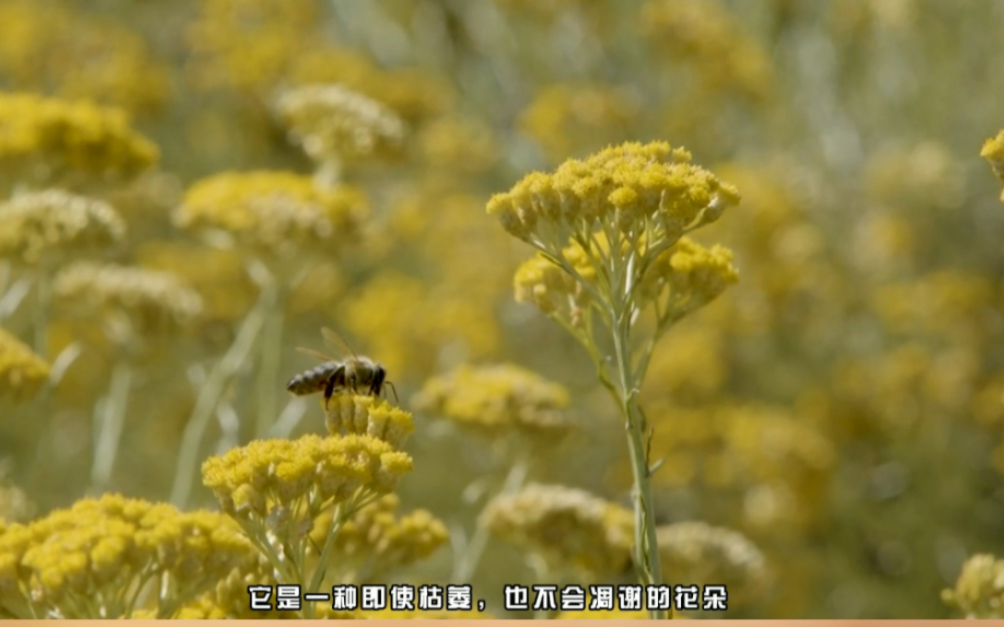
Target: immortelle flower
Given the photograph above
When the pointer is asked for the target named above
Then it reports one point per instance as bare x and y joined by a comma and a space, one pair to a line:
615, 225
566, 528
21, 370
71, 135
701, 554
376, 540
37, 224
277, 489
334, 123
362, 414
497, 398
95, 559
152, 299
993, 152
979, 590
273, 211
706, 36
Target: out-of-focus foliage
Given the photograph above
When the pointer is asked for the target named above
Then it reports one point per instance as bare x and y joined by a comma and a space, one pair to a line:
189, 191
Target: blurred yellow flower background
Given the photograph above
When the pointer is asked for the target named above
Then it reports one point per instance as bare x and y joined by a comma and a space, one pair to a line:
670, 291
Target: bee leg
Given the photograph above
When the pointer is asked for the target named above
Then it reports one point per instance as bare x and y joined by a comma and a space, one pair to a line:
329, 389
377, 385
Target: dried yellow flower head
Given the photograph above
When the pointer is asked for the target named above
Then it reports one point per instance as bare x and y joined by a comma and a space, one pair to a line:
641, 191
362, 414
267, 477
566, 527
151, 299
21, 370
497, 398
249, 44
40, 58
81, 562
275, 211
43, 224
71, 135
993, 152
334, 123
539, 281
706, 36
375, 539
689, 275
979, 590
699, 553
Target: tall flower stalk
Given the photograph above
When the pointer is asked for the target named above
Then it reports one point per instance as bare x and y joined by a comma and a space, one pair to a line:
616, 270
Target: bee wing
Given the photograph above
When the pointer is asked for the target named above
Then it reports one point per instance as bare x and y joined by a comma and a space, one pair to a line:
336, 341
315, 354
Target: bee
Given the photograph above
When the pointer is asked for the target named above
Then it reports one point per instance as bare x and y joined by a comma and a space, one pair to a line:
357, 374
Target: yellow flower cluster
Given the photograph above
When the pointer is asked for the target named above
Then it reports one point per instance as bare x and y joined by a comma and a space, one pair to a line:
153, 300
333, 123
634, 189
565, 119
555, 292
412, 94
248, 44
497, 398
979, 590
74, 135
679, 280
21, 370
566, 527
689, 276
92, 560
34, 225
361, 414
699, 553
269, 478
41, 50
375, 540
993, 152
277, 211
706, 36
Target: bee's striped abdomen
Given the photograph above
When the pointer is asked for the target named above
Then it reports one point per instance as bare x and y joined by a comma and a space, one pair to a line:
314, 380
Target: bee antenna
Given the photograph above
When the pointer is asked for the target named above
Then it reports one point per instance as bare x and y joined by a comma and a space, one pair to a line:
393, 389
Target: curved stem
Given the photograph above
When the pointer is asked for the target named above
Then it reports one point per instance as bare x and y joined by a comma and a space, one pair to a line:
646, 548
110, 426
467, 564
268, 372
43, 308
211, 392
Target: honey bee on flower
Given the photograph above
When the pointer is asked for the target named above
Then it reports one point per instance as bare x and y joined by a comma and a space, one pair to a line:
355, 374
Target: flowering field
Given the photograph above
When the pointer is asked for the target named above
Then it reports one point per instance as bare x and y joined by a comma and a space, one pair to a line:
616, 296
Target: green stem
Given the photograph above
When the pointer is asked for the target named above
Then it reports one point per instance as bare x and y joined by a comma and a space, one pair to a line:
268, 372
110, 427
43, 308
211, 392
476, 547
646, 548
